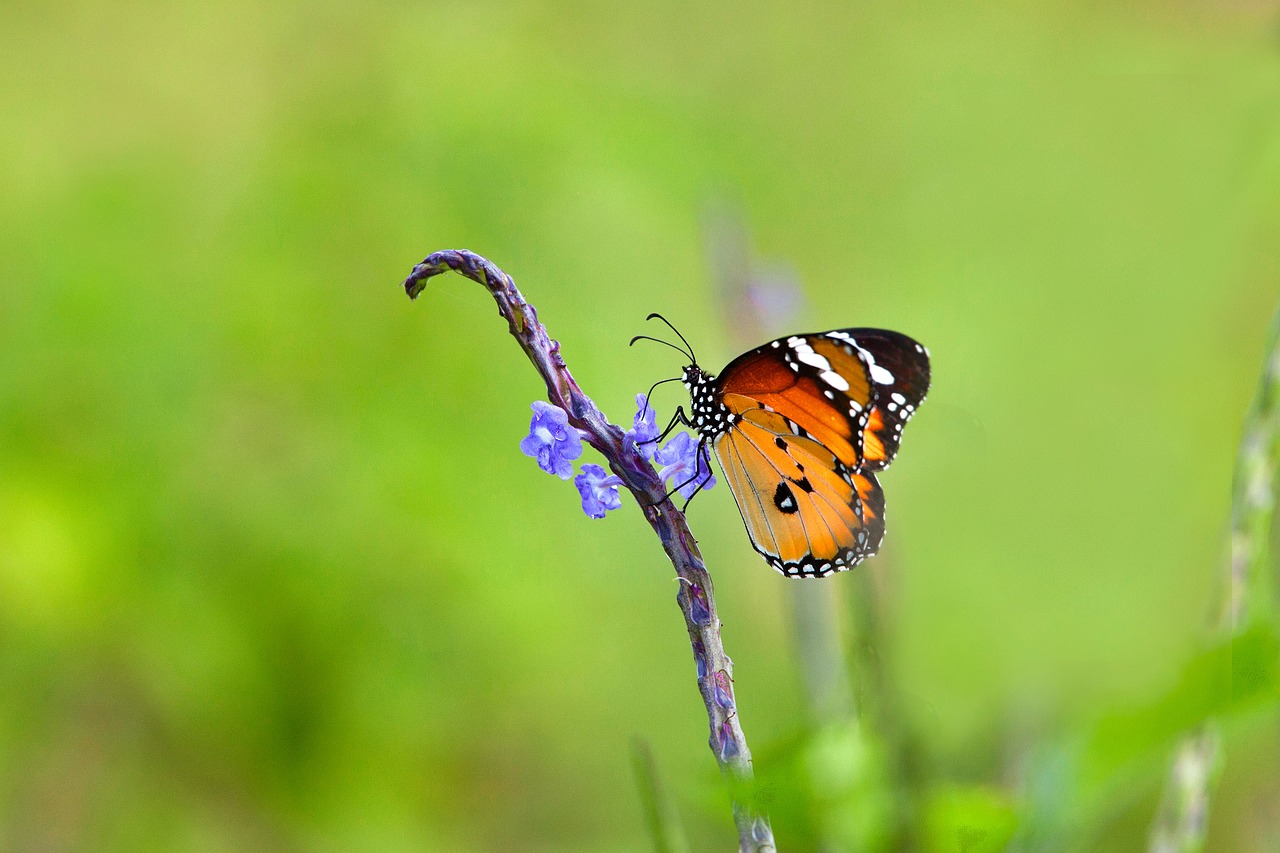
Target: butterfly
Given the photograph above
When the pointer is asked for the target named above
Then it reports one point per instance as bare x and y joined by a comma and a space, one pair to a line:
800, 427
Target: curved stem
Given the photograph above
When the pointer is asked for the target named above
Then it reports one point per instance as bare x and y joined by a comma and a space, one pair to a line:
697, 604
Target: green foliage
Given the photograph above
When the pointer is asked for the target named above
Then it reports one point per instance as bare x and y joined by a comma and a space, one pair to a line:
974, 819
1086, 780
1237, 677
830, 785
274, 575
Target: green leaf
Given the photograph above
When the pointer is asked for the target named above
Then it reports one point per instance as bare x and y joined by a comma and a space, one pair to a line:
972, 819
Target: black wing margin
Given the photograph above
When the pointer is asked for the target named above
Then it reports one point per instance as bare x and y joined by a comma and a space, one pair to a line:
898, 370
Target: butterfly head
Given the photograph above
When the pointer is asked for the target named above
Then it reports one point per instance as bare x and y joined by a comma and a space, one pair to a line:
709, 415
694, 377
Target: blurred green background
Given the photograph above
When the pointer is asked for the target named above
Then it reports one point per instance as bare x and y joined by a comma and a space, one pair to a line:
273, 572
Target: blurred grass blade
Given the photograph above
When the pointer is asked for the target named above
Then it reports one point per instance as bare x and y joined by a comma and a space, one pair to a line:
1250, 585
659, 810
1234, 678
1182, 817
761, 300
824, 668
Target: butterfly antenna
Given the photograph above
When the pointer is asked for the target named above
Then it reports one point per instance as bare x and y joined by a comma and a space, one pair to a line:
687, 355
677, 331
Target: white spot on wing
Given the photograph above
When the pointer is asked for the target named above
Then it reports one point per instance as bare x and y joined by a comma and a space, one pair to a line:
811, 358
835, 380
879, 375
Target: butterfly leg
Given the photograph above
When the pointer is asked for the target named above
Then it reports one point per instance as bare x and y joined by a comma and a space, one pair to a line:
697, 477
679, 418
701, 454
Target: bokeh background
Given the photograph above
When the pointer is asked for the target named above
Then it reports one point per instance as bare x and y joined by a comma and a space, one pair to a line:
273, 572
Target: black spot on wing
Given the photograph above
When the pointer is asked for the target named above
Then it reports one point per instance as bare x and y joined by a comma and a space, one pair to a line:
784, 500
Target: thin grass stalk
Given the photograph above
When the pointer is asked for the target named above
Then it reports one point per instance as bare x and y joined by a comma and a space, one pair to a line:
1182, 819
659, 811
694, 597
756, 303
837, 624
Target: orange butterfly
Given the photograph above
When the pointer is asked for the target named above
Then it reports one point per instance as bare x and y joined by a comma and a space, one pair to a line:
800, 425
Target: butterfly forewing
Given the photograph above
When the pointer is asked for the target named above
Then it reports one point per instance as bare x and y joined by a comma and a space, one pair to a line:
820, 385
898, 369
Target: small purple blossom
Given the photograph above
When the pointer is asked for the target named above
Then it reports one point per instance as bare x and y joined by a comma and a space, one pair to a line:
551, 440
699, 609
681, 465
727, 749
722, 690
644, 428
599, 490
700, 655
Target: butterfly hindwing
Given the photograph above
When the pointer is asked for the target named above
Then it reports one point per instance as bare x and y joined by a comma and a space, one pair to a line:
806, 513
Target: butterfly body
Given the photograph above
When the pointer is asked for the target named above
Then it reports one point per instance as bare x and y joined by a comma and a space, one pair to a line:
800, 425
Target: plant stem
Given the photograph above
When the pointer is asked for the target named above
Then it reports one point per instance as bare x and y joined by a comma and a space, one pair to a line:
697, 604
1182, 818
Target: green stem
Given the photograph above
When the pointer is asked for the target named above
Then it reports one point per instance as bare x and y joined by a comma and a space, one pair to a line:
1182, 817
659, 811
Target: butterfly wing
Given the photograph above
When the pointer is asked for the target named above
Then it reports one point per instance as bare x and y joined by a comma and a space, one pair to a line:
820, 384
806, 512
812, 417
851, 389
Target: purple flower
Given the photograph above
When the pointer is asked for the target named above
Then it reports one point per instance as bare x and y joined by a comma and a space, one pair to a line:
699, 609
599, 490
681, 465
551, 440
722, 690
644, 428
728, 747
